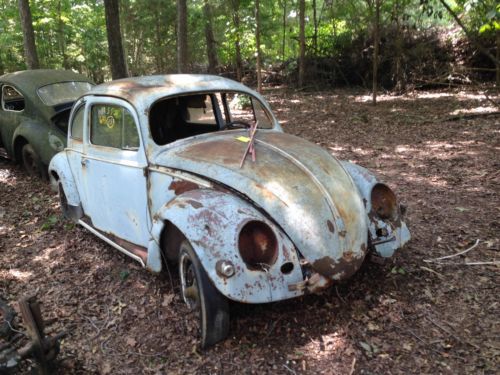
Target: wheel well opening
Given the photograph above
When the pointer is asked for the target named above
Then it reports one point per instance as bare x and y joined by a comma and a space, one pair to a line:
18, 147
170, 240
54, 175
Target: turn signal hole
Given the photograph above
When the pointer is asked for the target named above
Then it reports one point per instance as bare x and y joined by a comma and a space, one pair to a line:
286, 268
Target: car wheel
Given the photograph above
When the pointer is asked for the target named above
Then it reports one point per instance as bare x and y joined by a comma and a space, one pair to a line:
201, 296
31, 161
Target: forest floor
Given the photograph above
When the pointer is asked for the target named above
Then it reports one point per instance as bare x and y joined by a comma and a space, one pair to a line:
405, 316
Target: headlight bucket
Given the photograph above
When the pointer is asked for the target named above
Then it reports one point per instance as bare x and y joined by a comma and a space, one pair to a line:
258, 245
384, 202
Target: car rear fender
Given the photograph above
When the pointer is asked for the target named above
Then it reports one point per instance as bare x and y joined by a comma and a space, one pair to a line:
211, 221
60, 173
44, 141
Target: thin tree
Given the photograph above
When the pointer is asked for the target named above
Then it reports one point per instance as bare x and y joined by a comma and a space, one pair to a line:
283, 40
28, 35
475, 40
60, 36
237, 43
302, 41
182, 41
210, 39
257, 46
115, 44
374, 6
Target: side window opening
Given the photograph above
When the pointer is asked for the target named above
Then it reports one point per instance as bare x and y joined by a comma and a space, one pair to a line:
77, 125
12, 100
113, 126
241, 107
181, 117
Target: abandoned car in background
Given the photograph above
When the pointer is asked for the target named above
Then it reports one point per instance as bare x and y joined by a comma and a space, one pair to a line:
34, 113
196, 170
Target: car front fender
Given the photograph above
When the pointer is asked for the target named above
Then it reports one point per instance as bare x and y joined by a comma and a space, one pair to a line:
386, 235
211, 221
60, 173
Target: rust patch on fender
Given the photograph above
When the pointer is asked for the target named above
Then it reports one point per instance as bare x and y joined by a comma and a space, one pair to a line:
331, 228
180, 186
341, 269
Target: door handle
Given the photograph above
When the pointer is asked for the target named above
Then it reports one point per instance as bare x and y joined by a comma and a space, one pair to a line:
84, 162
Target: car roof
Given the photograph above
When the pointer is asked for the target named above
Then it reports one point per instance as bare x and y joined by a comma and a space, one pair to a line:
30, 80
144, 91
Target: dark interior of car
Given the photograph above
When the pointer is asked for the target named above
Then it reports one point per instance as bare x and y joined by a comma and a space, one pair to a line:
14, 105
177, 118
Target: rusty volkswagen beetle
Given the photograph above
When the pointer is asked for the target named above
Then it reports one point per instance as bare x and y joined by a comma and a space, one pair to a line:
34, 112
195, 170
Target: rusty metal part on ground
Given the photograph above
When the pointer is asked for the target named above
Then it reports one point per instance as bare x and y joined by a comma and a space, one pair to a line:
41, 348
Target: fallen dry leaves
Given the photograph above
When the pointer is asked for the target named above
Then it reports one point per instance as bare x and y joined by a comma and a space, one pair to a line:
405, 316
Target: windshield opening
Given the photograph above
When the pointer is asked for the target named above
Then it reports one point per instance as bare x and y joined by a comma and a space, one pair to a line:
62, 92
184, 116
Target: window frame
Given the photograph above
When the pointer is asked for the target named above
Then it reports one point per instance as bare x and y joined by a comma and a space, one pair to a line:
3, 98
80, 106
112, 103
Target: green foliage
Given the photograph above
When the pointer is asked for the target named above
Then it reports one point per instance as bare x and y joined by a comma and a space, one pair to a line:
71, 34
50, 223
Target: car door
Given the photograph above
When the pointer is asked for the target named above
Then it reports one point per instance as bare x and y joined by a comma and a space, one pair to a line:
112, 169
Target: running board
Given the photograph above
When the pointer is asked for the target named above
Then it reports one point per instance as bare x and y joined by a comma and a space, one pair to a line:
110, 242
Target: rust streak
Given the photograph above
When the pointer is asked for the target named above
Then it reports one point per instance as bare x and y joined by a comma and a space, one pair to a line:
179, 186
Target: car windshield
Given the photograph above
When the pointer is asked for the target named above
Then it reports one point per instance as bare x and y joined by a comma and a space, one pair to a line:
63, 92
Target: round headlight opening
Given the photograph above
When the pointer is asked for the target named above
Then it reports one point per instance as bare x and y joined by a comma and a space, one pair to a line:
258, 245
384, 202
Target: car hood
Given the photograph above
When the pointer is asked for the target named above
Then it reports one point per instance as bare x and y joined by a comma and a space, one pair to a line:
304, 189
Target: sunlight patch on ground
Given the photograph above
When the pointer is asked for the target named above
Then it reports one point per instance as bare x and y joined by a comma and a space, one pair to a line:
329, 346
16, 274
46, 255
461, 96
477, 110
7, 178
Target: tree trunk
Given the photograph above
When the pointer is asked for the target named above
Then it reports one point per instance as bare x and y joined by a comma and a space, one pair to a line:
210, 39
302, 42
2, 69
237, 46
376, 21
28, 35
283, 45
182, 42
60, 36
257, 45
315, 35
115, 44
400, 82
498, 57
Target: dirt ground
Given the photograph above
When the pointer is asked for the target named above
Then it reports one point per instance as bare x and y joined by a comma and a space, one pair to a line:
405, 316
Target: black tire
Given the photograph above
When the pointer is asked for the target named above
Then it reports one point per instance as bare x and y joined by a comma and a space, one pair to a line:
63, 202
201, 295
31, 161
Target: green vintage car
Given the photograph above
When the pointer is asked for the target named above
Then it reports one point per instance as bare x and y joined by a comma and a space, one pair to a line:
34, 114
